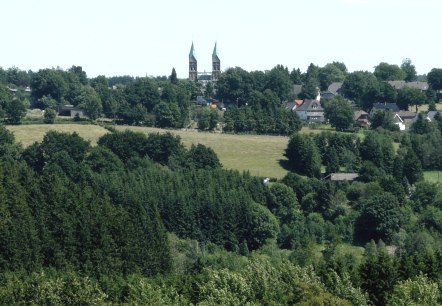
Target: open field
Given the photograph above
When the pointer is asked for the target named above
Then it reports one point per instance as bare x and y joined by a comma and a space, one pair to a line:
424, 107
433, 176
30, 133
259, 154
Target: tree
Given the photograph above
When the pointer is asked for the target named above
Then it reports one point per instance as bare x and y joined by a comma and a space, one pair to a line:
50, 115
278, 81
410, 96
330, 73
379, 150
203, 157
409, 69
414, 292
383, 119
412, 167
387, 72
283, 203
5, 99
260, 225
303, 155
15, 110
435, 78
421, 125
234, 85
173, 77
378, 276
361, 87
380, 217
49, 82
167, 115
339, 112
90, 101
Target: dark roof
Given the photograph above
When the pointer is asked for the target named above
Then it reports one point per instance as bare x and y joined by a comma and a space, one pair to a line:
343, 176
290, 105
205, 77
407, 114
311, 105
297, 89
328, 95
386, 106
402, 84
359, 113
431, 114
334, 87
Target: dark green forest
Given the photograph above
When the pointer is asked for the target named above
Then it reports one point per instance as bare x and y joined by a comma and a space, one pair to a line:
140, 219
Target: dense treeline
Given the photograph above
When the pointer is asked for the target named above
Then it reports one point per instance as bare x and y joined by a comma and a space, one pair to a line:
254, 100
142, 219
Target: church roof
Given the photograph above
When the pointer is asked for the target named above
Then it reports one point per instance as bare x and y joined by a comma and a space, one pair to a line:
215, 54
192, 55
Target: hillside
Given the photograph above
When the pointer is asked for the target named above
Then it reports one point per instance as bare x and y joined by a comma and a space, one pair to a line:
261, 155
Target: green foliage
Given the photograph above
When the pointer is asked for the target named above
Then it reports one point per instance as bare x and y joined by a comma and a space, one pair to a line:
50, 115
378, 275
435, 78
409, 69
50, 288
167, 115
379, 150
339, 112
388, 72
413, 292
202, 157
380, 217
408, 96
303, 155
383, 119
361, 87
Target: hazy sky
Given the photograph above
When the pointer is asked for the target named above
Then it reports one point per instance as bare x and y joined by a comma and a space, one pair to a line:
142, 37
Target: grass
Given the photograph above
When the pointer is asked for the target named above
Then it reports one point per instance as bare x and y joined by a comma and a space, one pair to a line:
30, 133
433, 176
261, 155
424, 107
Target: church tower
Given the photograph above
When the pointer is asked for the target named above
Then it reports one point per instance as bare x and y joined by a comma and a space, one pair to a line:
216, 65
193, 67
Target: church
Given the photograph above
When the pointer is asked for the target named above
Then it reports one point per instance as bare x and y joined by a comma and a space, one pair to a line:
204, 77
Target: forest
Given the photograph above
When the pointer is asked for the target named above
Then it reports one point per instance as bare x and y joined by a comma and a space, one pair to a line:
140, 219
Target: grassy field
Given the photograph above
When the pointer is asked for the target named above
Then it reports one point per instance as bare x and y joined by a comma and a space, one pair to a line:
433, 176
424, 107
30, 133
261, 155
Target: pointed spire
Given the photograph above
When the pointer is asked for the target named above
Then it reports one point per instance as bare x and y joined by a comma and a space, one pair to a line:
215, 57
192, 56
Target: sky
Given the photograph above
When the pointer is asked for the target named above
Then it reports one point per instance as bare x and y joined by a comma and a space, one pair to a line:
149, 38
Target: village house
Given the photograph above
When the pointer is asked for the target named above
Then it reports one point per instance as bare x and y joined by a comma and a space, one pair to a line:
311, 111
361, 118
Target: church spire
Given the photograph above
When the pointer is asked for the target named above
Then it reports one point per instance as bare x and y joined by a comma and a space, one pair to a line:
215, 54
216, 64
193, 65
192, 55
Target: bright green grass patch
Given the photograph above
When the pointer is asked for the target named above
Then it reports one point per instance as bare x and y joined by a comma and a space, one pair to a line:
424, 107
433, 176
259, 154
30, 133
